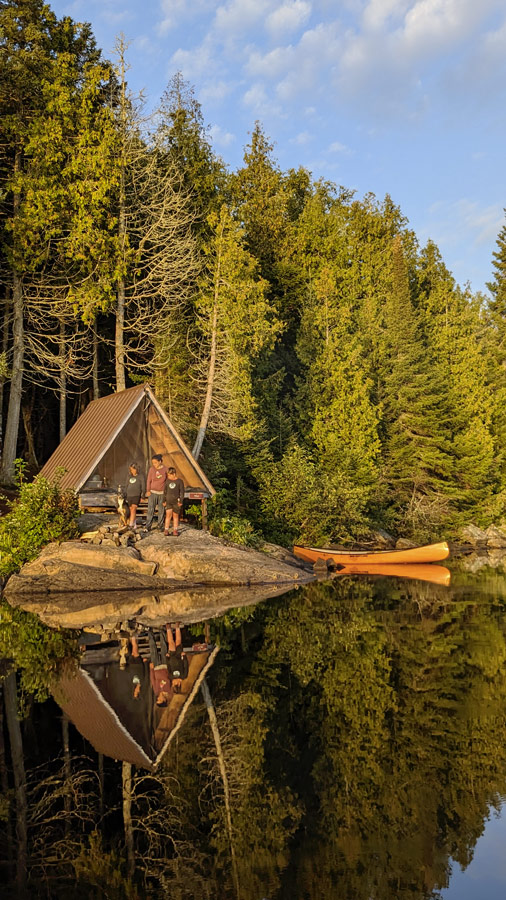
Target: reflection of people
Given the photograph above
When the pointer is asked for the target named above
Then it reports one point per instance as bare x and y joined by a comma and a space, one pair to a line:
173, 496
137, 670
133, 490
158, 671
157, 476
177, 662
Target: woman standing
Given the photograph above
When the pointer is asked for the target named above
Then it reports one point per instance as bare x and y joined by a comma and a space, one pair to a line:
135, 488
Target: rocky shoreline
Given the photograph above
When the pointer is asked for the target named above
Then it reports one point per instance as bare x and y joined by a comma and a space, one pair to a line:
154, 563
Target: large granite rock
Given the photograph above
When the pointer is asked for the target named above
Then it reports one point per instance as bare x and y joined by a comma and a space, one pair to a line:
473, 535
382, 539
123, 559
194, 557
61, 576
404, 544
199, 557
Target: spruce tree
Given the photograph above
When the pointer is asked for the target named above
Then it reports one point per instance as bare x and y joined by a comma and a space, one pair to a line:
454, 326
416, 449
496, 346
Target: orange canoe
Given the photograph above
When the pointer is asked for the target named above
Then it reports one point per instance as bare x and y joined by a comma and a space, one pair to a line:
428, 554
417, 571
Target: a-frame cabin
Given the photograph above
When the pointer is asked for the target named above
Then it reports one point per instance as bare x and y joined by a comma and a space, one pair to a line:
112, 432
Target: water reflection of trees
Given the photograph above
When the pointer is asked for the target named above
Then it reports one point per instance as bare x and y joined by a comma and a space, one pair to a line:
362, 729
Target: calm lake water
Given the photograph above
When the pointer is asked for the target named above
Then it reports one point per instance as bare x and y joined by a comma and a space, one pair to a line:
363, 730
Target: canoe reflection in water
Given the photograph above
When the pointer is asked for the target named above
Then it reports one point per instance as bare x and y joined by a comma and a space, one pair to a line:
113, 703
428, 572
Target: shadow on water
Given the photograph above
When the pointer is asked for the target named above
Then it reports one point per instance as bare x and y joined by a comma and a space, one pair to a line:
357, 749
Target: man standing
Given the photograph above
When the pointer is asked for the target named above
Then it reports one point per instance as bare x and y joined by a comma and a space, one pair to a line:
157, 476
173, 496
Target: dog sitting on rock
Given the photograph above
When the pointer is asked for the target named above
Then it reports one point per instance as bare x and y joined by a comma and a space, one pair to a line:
123, 510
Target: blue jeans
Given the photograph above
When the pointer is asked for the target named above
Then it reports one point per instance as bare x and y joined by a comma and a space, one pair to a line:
153, 499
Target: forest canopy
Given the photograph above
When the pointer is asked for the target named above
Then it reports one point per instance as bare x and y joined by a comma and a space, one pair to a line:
325, 367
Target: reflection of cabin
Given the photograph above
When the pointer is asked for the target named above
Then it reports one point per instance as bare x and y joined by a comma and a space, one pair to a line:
108, 725
111, 433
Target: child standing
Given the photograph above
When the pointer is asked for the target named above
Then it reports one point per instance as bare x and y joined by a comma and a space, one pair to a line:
173, 496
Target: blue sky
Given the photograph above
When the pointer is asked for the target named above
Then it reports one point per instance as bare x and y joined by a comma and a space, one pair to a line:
405, 97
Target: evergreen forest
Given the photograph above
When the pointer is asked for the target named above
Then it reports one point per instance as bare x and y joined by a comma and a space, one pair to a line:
328, 372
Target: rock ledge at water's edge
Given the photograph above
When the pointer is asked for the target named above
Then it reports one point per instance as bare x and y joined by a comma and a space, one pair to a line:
156, 563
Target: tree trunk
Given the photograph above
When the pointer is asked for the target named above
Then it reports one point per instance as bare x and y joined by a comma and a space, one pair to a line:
18, 353
221, 762
119, 339
26, 409
101, 781
63, 384
16, 386
18, 767
96, 388
197, 447
5, 344
127, 817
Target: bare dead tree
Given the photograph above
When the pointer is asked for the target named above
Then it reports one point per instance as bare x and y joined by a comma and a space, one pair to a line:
224, 777
157, 251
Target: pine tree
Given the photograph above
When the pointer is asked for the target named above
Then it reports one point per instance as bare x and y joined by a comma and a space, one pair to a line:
416, 448
496, 346
455, 329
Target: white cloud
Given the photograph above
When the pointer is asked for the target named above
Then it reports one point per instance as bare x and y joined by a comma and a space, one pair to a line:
197, 63
174, 12
256, 96
220, 137
377, 12
215, 91
239, 17
288, 18
337, 147
270, 65
302, 138
464, 222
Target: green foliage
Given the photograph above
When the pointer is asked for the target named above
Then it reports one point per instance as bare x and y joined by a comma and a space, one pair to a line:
309, 504
42, 513
223, 523
40, 653
100, 873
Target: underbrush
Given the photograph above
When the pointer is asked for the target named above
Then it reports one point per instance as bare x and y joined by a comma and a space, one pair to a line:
226, 524
41, 513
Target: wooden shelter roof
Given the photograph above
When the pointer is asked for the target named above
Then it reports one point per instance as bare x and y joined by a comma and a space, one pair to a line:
101, 423
97, 721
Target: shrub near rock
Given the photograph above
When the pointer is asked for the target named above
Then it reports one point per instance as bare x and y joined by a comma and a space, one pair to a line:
42, 513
